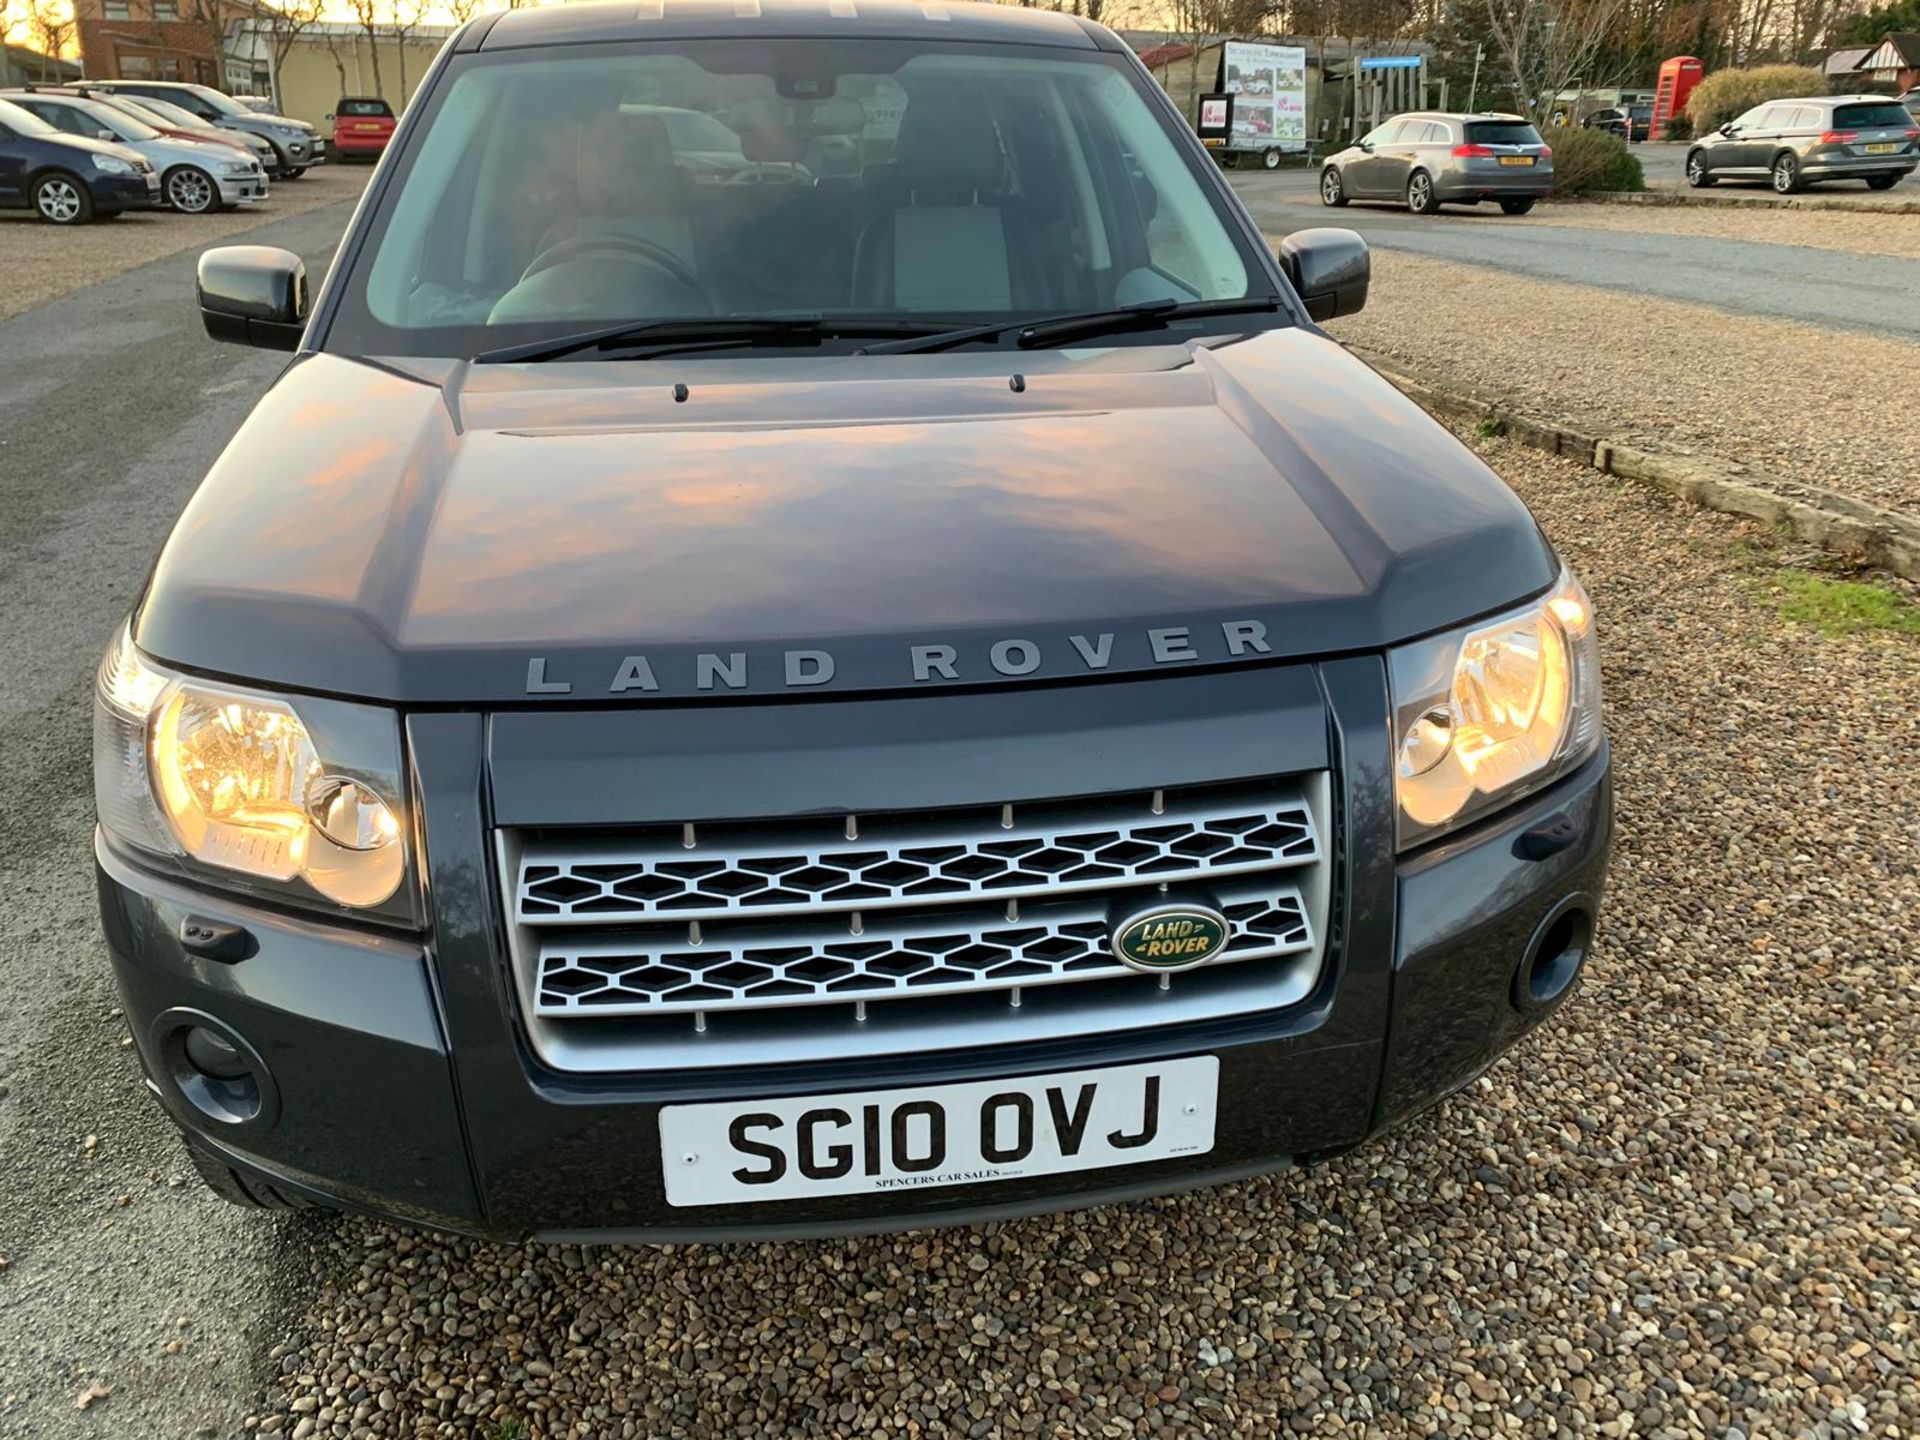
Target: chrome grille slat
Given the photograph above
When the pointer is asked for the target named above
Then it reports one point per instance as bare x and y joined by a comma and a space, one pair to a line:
698, 942
764, 967
615, 882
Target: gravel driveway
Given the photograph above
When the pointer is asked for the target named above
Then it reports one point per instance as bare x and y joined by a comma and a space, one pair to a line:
1808, 404
44, 261
1688, 1208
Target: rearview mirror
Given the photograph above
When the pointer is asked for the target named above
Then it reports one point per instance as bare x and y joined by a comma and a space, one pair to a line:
254, 295
1330, 268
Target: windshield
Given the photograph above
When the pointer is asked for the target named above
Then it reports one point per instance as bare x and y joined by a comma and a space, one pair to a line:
876, 178
221, 101
123, 125
23, 122
167, 110
364, 108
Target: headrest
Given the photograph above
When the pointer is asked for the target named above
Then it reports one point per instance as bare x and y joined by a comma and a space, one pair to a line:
948, 149
623, 162
768, 132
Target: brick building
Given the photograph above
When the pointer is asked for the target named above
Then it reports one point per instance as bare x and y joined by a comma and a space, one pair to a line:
158, 39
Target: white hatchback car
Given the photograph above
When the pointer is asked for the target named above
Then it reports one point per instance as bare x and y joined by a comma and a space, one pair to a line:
195, 178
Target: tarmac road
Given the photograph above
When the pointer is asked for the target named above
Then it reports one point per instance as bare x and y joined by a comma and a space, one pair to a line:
107, 1241
1837, 289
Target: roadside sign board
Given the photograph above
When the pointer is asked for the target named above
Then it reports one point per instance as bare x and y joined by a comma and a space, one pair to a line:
1390, 62
1268, 84
1214, 123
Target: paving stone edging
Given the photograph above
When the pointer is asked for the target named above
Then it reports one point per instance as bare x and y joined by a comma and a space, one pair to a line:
1889, 539
1867, 203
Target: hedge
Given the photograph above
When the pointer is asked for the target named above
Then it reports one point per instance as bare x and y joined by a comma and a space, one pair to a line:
1588, 160
1727, 93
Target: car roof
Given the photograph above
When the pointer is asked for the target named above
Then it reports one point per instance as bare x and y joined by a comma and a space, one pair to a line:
800, 19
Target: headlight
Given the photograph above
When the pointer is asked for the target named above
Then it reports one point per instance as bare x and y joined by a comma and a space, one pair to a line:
296, 799
109, 165
1488, 713
237, 167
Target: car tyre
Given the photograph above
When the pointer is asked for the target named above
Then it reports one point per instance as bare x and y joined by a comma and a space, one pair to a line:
246, 1191
1270, 160
1786, 174
1420, 197
1332, 191
61, 199
1882, 182
1516, 207
1697, 176
191, 190
294, 174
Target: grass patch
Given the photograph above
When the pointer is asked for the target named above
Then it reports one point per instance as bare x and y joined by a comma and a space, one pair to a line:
1842, 607
511, 1428
1492, 427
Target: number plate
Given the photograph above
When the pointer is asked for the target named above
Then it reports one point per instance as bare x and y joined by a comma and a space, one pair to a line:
1516, 160
898, 1141
1886, 149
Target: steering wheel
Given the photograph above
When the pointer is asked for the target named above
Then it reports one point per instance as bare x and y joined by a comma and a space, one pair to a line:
645, 251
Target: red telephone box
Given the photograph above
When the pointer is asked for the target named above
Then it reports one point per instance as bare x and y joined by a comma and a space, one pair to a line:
1678, 76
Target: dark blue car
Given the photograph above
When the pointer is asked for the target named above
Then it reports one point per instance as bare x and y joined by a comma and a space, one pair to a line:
67, 179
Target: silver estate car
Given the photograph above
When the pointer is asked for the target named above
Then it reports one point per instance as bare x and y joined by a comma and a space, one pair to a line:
1791, 144
1427, 159
195, 178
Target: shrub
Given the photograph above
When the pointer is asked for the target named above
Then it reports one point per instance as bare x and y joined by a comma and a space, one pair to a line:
1678, 127
1727, 93
1588, 160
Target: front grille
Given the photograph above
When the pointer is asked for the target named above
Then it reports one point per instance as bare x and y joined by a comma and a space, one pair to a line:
707, 928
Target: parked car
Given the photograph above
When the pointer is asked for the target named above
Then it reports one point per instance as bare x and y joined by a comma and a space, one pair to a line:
295, 144
66, 179
260, 104
170, 119
648, 738
1428, 159
195, 178
1632, 123
362, 126
1911, 102
1791, 144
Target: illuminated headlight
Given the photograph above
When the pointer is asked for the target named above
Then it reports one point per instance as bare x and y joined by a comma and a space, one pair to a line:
1488, 713
111, 165
297, 799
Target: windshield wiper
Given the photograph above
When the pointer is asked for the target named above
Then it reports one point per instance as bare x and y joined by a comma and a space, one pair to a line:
1053, 329
706, 330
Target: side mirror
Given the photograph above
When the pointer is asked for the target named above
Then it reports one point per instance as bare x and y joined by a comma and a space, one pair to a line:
327, 116
1364, 145
1330, 268
254, 295
1728, 128
105, 135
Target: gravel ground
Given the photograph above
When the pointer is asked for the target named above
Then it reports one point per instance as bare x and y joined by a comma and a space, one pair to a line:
44, 261
1688, 1209
1817, 406
1863, 233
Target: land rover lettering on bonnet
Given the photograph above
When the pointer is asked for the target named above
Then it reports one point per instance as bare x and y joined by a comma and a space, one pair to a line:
814, 637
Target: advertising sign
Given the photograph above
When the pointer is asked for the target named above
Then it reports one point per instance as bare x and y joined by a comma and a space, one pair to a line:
1215, 120
1269, 88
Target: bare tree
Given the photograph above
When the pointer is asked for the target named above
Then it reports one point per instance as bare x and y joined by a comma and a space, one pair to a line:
405, 17
51, 24
367, 12
285, 23
1547, 45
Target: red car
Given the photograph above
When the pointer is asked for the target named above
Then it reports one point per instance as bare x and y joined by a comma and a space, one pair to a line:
362, 125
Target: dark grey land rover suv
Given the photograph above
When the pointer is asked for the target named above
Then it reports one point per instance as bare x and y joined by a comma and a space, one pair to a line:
903, 683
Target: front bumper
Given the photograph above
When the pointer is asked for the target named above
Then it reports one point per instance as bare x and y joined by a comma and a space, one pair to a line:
402, 1084
241, 189
125, 192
